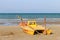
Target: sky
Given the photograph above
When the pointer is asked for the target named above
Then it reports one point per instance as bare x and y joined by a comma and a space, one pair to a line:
29, 6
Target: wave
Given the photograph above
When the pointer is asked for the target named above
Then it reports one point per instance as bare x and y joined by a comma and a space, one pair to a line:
37, 19
16, 21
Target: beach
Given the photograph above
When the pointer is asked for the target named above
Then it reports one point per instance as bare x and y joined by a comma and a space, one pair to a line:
16, 33
9, 29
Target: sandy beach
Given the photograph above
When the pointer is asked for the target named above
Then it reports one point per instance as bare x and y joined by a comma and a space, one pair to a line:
16, 33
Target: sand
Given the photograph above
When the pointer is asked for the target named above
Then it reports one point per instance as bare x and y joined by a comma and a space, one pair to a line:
16, 33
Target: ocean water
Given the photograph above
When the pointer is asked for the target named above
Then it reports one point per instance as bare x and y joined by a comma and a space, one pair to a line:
12, 18
28, 15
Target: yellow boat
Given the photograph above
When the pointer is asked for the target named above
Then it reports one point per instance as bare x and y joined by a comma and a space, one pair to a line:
31, 27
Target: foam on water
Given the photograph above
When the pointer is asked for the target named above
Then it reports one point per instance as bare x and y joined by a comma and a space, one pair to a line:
16, 21
12, 18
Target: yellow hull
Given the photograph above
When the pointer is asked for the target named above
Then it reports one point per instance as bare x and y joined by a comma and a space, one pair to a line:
29, 32
31, 27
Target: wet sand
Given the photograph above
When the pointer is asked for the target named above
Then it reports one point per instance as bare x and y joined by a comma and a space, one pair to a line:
16, 33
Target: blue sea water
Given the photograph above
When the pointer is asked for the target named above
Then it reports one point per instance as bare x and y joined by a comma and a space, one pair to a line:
28, 15
12, 18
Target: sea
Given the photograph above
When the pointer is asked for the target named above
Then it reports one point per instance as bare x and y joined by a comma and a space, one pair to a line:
15, 18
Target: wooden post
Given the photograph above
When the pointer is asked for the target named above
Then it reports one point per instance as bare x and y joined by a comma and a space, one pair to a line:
45, 22
45, 26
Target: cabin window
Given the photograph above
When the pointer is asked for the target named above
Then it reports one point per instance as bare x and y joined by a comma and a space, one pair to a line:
32, 23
